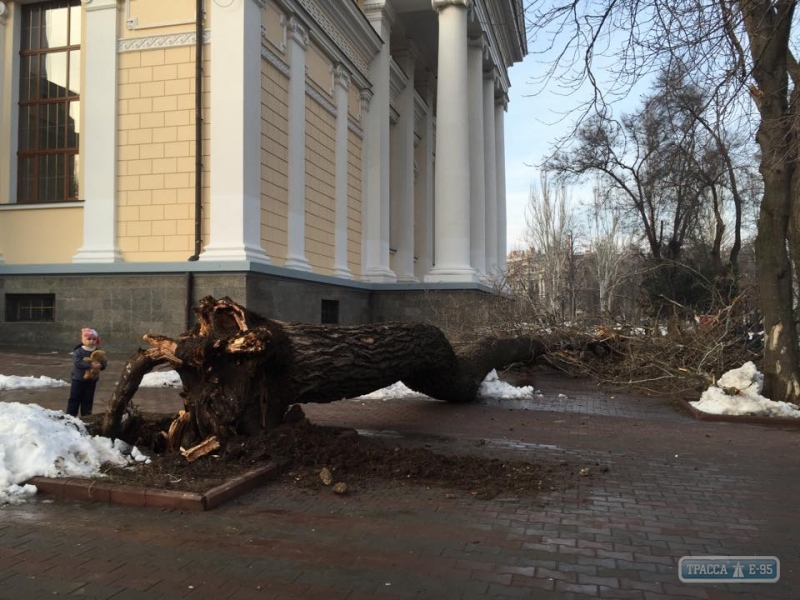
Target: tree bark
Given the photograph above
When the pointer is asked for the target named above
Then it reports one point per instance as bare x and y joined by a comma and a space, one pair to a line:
768, 28
241, 372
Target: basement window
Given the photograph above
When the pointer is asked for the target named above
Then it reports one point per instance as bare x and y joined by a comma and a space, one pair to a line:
25, 308
330, 312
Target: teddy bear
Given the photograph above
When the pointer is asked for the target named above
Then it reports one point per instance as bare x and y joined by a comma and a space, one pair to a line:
95, 356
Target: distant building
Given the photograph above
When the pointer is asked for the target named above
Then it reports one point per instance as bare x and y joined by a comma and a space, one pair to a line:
350, 156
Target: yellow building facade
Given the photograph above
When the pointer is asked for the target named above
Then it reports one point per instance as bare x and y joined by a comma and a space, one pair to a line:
301, 156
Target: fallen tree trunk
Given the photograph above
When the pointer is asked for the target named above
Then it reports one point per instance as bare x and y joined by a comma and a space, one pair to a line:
240, 371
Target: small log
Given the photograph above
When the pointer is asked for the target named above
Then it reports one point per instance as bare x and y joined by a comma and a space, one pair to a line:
176, 429
207, 446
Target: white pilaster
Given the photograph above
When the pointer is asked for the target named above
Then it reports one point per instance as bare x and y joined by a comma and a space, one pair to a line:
490, 143
500, 145
342, 87
235, 145
297, 46
423, 193
376, 205
452, 186
402, 175
3, 98
477, 164
99, 157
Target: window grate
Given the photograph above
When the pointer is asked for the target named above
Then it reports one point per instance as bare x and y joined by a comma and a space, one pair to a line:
25, 308
330, 312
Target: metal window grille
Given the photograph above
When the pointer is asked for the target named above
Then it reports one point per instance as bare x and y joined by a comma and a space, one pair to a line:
330, 312
22, 308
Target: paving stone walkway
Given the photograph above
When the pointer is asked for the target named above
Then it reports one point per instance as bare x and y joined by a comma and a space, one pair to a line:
674, 487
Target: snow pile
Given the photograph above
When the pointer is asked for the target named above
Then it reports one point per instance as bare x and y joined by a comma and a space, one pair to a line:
394, 391
492, 387
14, 382
36, 441
161, 379
738, 392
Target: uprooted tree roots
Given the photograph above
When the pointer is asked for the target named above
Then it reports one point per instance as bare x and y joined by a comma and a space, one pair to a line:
241, 372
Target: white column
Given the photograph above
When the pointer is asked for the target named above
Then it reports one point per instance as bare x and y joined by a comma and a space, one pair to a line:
235, 145
452, 186
99, 158
342, 87
402, 176
297, 46
500, 145
477, 164
376, 206
4, 169
490, 143
423, 193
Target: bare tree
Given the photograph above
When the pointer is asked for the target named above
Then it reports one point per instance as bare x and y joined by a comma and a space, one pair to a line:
611, 252
741, 52
550, 234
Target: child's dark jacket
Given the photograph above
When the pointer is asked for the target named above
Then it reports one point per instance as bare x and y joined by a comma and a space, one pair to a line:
79, 365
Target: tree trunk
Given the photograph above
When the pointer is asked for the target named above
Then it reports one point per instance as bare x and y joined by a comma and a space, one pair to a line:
768, 28
240, 372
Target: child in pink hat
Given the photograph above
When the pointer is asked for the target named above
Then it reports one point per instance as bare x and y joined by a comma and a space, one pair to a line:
81, 393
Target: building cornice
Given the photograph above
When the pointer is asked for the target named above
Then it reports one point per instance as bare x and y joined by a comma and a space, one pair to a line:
343, 32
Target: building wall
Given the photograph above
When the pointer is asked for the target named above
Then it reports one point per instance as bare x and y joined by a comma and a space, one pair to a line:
274, 162
156, 168
320, 187
123, 307
40, 234
354, 202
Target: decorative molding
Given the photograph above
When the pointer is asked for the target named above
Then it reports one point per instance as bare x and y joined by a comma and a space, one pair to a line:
161, 41
297, 30
313, 93
382, 7
341, 76
394, 115
275, 60
355, 129
438, 5
355, 44
365, 97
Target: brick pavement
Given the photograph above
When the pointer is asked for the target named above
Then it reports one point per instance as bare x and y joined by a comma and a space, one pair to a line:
674, 487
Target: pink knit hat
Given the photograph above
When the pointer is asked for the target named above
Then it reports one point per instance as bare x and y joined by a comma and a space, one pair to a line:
90, 331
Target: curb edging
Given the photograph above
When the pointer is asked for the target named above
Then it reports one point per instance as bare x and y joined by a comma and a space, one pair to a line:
93, 490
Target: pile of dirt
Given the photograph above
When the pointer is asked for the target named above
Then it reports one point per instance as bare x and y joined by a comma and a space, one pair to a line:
360, 462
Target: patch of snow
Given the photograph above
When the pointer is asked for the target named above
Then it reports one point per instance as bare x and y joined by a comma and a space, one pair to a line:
37, 441
492, 387
396, 390
14, 382
746, 383
161, 379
